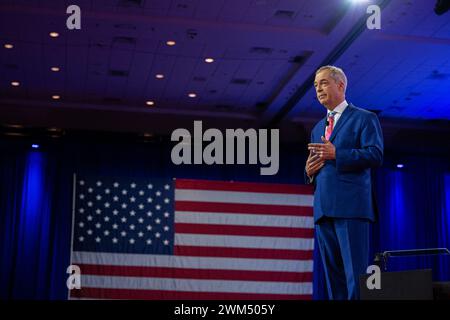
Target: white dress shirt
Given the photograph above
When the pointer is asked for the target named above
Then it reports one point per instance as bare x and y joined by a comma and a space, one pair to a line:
339, 110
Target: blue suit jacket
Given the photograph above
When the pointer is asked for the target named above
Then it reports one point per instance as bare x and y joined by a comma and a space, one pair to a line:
343, 187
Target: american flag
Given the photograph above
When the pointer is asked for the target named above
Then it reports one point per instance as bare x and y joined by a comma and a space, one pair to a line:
191, 239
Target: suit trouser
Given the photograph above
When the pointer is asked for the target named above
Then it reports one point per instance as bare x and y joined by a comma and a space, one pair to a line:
344, 248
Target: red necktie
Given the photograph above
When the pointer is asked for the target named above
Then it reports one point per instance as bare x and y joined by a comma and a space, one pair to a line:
330, 126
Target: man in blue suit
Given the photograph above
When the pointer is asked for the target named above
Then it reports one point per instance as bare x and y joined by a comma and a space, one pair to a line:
344, 147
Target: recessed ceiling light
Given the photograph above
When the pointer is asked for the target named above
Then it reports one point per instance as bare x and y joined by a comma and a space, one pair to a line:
150, 103
15, 83
159, 76
209, 60
54, 34
192, 95
56, 97
55, 69
170, 43
8, 46
16, 126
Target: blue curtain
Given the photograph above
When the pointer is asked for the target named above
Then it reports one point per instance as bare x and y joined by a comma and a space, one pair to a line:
36, 202
414, 213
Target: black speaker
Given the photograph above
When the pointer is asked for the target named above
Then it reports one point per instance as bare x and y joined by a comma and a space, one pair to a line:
402, 285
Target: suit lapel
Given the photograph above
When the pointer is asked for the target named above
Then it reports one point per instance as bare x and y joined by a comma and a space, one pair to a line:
322, 130
344, 117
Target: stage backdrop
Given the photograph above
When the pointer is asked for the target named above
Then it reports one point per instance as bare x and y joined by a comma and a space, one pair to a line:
36, 197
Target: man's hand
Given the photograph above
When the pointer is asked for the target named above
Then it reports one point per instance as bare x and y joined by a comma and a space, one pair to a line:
313, 164
325, 150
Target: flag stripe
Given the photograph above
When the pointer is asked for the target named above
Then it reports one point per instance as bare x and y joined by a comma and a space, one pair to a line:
243, 186
284, 210
184, 273
142, 283
243, 197
243, 230
243, 219
149, 260
104, 293
243, 253
243, 241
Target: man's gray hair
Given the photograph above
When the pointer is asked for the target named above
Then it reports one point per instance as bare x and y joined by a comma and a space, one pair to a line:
336, 73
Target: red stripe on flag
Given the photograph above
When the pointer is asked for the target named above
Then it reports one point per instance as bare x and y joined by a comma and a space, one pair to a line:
284, 254
100, 293
220, 207
181, 273
243, 186
243, 230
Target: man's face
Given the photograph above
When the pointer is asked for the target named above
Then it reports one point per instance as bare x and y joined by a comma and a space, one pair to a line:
329, 92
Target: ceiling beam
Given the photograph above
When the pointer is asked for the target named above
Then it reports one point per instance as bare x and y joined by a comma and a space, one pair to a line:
332, 57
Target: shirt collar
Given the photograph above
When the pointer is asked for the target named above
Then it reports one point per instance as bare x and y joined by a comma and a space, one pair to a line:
340, 107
